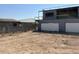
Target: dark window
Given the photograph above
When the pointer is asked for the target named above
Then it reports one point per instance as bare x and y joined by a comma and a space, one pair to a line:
49, 14
67, 13
15, 24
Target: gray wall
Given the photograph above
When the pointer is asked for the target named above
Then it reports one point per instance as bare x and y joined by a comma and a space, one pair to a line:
8, 27
61, 23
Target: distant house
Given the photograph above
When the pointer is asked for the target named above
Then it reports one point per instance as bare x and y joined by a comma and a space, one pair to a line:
11, 25
60, 20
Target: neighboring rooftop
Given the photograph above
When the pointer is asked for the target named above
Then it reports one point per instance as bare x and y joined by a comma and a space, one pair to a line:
8, 20
14, 20
27, 20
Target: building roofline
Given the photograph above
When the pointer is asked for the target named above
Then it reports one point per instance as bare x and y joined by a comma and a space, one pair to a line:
60, 8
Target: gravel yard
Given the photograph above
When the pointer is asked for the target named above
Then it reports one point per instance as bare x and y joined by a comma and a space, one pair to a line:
38, 43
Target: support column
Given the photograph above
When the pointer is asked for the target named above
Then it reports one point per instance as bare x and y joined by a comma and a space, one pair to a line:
78, 12
55, 13
39, 27
62, 27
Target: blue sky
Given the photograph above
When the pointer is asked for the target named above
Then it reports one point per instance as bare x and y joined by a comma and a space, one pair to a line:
24, 11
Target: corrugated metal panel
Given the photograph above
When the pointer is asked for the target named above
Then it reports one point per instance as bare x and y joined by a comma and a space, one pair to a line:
50, 27
72, 27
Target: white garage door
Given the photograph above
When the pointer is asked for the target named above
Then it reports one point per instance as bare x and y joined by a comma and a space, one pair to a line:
50, 26
72, 27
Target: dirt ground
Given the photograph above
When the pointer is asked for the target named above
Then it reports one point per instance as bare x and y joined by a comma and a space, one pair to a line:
38, 43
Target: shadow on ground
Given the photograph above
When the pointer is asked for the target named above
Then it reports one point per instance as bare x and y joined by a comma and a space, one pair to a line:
63, 33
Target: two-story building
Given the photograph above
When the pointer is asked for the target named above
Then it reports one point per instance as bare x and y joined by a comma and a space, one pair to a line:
60, 20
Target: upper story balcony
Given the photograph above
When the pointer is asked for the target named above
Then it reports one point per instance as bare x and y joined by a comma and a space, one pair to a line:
63, 13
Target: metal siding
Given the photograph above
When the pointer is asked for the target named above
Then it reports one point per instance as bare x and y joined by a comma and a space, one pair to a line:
50, 27
72, 27
62, 25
